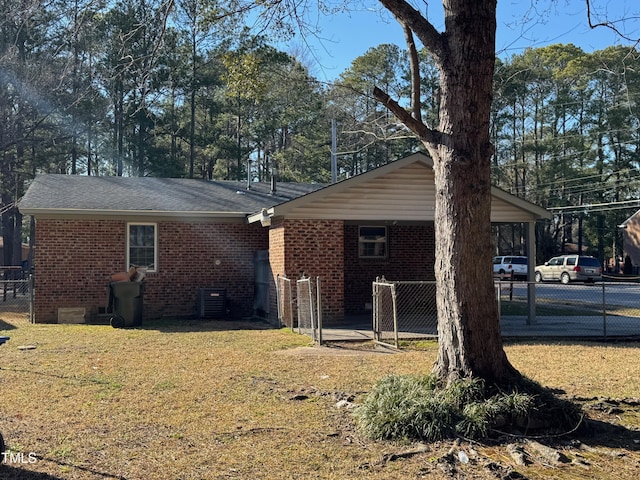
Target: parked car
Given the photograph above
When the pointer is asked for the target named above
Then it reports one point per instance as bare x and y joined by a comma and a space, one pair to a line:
570, 268
506, 265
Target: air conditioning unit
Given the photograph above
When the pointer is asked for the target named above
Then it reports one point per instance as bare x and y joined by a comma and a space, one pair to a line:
212, 303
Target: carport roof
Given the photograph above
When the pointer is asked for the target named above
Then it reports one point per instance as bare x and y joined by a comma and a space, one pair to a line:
403, 190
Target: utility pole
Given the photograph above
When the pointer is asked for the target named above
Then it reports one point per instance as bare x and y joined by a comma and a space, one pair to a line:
334, 153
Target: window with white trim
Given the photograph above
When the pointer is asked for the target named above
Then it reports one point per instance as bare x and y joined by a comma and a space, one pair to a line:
372, 242
142, 245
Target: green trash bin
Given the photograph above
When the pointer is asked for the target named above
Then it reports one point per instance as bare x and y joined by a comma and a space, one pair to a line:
127, 298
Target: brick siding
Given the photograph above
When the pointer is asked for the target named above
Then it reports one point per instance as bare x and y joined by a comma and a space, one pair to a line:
75, 258
315, 248
411, 256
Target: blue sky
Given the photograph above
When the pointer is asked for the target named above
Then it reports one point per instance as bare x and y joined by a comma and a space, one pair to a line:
521, 24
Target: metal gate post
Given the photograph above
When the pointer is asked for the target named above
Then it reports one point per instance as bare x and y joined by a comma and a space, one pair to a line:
604, 312
311, 315
499, 298
319, 307
32, 314
375, 310
279, 301
395, 314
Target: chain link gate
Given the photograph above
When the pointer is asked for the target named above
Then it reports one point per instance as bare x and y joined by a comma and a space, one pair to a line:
284, 300
309, 308
385, 318
17, 297
404, 310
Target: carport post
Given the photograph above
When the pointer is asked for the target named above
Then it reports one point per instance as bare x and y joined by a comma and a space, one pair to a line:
604, 312
32, 314
531, 266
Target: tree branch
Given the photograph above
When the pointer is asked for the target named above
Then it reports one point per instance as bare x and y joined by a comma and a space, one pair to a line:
411, 18
414, 66
608, 24
416, 126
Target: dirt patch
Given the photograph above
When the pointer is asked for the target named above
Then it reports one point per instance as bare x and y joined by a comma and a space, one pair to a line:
342, 349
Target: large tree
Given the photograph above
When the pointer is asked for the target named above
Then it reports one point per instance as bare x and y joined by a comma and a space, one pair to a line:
458, 141
470, 343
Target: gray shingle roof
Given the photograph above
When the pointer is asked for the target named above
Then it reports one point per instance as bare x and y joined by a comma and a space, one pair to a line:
66, 193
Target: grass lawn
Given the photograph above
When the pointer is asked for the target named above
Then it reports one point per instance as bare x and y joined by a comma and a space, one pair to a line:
222, 400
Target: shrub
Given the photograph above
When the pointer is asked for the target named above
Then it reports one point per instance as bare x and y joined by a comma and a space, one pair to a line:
420, 407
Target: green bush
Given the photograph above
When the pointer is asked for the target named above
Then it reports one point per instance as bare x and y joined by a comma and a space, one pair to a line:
419, 407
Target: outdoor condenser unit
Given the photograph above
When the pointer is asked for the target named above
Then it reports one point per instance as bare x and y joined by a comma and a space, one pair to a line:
212, 303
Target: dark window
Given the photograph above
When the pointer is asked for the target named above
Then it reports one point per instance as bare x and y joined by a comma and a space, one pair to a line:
372, 242
589, 262
142, 246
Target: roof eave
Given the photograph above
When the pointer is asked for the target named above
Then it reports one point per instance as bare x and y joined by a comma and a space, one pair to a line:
264, 217
120, 213
628, 220
538, 212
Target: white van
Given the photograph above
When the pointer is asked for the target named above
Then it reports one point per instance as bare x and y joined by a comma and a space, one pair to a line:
507, 265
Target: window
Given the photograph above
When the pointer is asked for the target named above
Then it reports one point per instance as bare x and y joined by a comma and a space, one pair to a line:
589, 262
519, 260
372, 242
142, 245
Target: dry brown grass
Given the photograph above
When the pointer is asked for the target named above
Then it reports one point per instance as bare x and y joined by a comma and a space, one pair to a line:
218, 400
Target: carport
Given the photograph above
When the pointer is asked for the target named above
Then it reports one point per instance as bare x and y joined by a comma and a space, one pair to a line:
379, 223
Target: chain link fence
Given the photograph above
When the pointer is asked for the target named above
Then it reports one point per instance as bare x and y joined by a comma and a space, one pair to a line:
307, 305
17, 298
309, 308
605, 310
284, 300
404, 310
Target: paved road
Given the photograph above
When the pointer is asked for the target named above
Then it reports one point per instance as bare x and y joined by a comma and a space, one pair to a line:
597, 294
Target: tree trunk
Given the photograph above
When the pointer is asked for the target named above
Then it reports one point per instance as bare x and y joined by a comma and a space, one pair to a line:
469, 338
470, 342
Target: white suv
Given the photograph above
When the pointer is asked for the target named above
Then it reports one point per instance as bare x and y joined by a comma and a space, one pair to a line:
508, 265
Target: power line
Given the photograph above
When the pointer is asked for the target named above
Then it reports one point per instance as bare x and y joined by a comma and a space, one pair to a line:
597, 206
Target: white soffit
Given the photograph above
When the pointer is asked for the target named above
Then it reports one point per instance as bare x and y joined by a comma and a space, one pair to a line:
403, 193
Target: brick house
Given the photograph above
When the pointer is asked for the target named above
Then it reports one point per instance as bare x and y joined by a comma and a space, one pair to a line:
630, 243
198, 234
